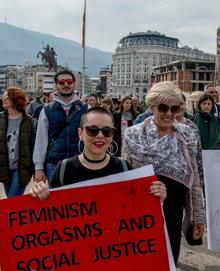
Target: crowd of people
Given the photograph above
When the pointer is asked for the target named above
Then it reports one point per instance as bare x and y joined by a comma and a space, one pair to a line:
59, 139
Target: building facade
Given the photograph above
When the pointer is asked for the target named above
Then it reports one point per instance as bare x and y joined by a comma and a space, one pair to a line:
105, 77
36, 80
137, 54
189, 75
94, 84
10, 75
79, 83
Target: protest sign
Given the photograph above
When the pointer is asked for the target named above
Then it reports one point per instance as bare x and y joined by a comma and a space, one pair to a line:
112, 226
211, 165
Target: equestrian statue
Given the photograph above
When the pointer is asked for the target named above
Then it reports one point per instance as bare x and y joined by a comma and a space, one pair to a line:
48, 58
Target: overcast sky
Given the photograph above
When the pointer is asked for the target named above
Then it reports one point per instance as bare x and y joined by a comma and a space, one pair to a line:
193, 22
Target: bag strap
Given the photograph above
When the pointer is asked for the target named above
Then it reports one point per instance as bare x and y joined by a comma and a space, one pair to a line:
68, 120
62, 171
124, 164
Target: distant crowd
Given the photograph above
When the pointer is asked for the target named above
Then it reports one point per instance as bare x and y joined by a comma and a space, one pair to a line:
60, 138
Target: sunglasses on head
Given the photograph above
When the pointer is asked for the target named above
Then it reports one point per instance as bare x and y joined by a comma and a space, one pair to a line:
94, 130
164, 108
63, 81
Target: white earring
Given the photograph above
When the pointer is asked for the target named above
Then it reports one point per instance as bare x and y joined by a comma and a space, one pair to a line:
113, 148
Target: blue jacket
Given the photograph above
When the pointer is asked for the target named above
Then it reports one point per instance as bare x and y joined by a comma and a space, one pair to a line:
66, 144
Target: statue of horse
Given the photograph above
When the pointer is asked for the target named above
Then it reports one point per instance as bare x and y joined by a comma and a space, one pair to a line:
48, 58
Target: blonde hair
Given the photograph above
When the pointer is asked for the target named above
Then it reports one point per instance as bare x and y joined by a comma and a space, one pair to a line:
162, 92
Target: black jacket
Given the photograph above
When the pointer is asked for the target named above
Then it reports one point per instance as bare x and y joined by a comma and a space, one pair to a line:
26, 146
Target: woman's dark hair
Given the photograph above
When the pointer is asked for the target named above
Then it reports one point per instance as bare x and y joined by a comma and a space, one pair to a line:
18, 97
203, 98
133, 112
65, 71
108, 101
95, 110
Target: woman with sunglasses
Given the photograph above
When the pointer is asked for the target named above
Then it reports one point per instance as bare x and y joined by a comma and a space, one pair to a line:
171, 148
96, 131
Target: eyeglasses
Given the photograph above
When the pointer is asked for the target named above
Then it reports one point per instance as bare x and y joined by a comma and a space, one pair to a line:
63, 81
164, 108
94, 130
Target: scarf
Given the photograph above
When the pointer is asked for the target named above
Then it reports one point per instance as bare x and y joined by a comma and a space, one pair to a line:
209, 129
171, 155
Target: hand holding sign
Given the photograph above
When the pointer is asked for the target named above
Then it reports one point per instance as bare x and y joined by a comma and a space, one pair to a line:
111, 227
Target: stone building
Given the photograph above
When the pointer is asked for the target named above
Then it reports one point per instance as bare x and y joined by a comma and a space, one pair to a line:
137, 54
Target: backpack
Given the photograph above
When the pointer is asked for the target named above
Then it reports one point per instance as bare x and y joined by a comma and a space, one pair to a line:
63, 167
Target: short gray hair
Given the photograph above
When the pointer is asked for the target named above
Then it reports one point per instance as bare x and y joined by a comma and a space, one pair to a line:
206, 89
163, 91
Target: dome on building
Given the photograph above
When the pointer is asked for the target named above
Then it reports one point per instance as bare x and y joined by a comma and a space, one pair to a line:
148, 38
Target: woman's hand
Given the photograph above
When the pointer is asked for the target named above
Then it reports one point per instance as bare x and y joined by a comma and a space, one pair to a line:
198, 231
158, 189
40, 190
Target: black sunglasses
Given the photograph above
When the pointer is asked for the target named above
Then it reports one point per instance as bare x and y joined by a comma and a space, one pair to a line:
164, 108
94, 130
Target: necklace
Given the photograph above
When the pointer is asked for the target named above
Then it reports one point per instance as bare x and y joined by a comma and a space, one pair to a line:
93, 161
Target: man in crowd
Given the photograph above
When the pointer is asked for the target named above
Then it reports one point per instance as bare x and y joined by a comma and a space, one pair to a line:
39, 101
57, 130
48, 96
211, 90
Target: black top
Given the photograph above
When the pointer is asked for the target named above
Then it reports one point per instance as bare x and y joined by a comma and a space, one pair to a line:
176, 191
75, 172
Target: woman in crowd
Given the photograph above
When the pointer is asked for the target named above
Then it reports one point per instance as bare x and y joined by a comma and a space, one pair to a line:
107, 104
170, 146
116, 104
92, 100
17, 136
96, 131
123, 118
206, 122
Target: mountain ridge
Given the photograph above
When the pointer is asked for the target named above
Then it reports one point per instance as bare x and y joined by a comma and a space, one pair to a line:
19, 46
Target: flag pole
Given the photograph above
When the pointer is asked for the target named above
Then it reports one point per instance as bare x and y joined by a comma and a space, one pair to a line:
83, 46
